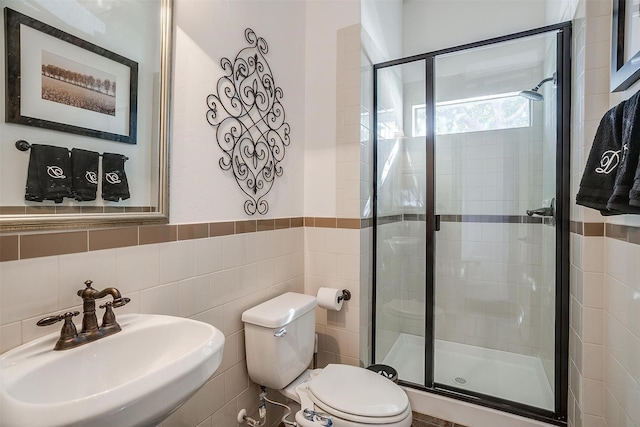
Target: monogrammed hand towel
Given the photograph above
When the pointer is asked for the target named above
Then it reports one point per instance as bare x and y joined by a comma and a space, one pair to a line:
49, 174
114, 179
84, 165
599, 176
631, 134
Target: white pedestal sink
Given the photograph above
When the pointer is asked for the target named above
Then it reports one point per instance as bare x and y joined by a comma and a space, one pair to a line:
136, 377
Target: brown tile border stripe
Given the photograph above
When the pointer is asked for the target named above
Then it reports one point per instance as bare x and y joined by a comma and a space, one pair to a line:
589, 229
193, 231
222, 229
113, 238
281, 223
326, 222
493, 219
18, 246
266, 224
575, 227
41, 245
625, 233
593, 229
9, 249
350, 223
250, 226
150, 234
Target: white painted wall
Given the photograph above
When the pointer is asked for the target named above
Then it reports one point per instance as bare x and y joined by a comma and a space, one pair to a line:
382, 20
207, 31
436, 24
323, 20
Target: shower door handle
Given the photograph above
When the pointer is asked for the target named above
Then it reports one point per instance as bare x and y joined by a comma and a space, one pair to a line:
437, 223
544, 211
541, 212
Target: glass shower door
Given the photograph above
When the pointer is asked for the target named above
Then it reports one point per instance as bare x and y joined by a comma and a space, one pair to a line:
471, 230
400, 213
495, 186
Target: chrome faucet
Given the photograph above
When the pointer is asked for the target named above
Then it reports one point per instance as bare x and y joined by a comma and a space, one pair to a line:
69, 336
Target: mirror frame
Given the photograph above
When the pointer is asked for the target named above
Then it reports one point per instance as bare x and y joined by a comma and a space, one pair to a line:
37, 222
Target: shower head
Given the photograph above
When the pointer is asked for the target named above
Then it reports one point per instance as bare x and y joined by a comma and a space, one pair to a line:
533, 94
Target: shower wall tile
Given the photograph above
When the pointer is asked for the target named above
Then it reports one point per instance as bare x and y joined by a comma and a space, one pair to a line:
483, 280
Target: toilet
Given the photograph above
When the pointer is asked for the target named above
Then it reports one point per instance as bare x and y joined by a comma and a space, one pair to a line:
280, 342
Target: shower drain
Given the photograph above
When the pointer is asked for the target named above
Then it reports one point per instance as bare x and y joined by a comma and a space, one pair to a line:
460, 380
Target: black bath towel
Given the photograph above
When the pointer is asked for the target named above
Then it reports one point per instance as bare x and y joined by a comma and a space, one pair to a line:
631, 133
85, 174
49, 174
114, 179
599, 177
619, 201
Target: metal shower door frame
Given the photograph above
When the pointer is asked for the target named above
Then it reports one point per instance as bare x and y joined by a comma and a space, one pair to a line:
563, 191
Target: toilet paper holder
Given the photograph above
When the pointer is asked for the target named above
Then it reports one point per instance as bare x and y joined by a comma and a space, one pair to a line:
346, 295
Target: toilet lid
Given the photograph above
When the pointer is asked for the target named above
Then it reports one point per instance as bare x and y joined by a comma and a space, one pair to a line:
356, 391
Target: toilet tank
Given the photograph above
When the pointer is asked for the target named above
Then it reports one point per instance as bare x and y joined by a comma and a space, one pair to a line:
279, 336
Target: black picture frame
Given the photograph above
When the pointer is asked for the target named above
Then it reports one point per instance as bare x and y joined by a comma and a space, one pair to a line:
114, 120
624, 73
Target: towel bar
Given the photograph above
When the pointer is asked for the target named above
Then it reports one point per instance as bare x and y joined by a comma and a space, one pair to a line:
23, 145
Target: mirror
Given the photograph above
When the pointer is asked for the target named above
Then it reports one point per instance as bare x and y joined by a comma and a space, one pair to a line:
86, 90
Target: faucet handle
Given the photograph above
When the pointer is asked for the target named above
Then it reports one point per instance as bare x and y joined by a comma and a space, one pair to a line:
109, 319
50, 320
115, 303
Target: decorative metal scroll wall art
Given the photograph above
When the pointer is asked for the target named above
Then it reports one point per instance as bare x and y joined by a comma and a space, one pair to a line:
250, 123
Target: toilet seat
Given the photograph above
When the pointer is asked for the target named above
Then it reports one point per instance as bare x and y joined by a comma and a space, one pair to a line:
357, 395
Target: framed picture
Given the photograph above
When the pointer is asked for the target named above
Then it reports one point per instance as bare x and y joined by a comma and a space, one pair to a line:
625, 49
61, 82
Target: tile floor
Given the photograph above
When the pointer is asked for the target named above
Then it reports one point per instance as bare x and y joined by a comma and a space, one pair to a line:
422, 420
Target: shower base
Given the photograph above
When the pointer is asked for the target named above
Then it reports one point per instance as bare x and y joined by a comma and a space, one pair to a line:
497, 373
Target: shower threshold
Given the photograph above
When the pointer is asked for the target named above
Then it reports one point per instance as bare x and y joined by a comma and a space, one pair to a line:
502, 374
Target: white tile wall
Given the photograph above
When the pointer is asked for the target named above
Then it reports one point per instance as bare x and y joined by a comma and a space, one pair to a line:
186, 278
491, 297
349, 174
332, 259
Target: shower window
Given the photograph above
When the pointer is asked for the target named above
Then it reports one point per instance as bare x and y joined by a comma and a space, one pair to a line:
482, 113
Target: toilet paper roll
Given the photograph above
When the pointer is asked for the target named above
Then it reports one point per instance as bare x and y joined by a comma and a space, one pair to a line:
328, 298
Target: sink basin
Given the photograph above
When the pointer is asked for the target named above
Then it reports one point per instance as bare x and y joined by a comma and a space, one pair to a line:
136, 377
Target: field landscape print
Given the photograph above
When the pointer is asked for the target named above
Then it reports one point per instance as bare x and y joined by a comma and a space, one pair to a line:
78, 85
